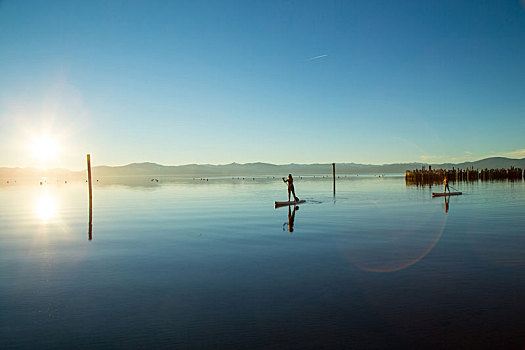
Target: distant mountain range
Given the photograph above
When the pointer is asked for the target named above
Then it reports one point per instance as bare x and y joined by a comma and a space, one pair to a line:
251, 169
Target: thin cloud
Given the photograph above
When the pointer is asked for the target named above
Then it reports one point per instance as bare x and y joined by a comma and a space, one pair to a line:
316, 57
519, 153
442, 159
427, 158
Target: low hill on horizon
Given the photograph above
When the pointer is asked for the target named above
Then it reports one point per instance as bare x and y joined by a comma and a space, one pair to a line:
251, 169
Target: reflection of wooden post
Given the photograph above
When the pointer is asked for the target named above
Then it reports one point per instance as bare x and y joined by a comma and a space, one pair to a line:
90, 197
90, 233
333, 171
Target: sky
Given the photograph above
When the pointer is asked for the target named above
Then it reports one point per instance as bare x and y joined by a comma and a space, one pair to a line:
180, 82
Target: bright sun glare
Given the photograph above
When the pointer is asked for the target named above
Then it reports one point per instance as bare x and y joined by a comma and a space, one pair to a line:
45, 207
44, 148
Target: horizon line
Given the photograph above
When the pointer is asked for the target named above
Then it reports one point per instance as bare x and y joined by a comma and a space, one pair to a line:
257, 162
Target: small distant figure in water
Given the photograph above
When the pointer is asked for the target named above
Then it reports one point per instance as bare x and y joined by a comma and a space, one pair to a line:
291, 189
445, 182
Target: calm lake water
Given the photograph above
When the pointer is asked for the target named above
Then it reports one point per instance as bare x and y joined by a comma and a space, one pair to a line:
212, 264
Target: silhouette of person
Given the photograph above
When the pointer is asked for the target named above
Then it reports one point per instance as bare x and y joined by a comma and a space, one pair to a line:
445, 182
291, 189
291, 218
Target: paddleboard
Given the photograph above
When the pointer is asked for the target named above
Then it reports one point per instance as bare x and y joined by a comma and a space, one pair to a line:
443, 194
282, 204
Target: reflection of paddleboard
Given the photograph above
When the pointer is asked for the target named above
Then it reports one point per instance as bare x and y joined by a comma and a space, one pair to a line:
282, 204
441, 194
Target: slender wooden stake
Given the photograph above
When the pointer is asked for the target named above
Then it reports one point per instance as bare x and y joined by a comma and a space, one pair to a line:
90, 197
333, 171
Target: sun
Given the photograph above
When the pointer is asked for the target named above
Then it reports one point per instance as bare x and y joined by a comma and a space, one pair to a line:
44, 148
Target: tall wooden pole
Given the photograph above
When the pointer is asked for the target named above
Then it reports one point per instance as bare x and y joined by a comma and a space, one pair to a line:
333, 171
90, 197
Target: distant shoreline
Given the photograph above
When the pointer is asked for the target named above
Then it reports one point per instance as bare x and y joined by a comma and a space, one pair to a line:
251, 169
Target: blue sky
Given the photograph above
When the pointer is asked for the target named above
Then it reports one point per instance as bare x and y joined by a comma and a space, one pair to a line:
221, 81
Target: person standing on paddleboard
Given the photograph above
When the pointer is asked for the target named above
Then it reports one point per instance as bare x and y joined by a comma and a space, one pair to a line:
291, 189
445, 182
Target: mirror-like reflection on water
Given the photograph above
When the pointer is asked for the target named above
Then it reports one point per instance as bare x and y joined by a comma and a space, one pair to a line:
194, 263
288, 225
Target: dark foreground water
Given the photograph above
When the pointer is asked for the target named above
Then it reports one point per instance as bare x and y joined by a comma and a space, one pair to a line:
211, 264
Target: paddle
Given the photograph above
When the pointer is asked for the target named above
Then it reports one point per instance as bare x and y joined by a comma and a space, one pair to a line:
455, 189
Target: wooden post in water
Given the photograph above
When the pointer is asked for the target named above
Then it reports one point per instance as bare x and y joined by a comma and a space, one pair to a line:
333, 171
90, 184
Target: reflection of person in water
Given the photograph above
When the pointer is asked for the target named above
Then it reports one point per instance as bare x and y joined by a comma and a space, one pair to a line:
447, 199
291, 218
291, 189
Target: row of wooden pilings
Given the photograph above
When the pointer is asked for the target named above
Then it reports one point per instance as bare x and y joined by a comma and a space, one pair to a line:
428, 176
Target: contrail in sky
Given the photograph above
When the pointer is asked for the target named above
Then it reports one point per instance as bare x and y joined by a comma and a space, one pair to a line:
316, 57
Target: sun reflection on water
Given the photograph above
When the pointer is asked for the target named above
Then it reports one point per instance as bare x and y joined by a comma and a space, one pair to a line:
45, 207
